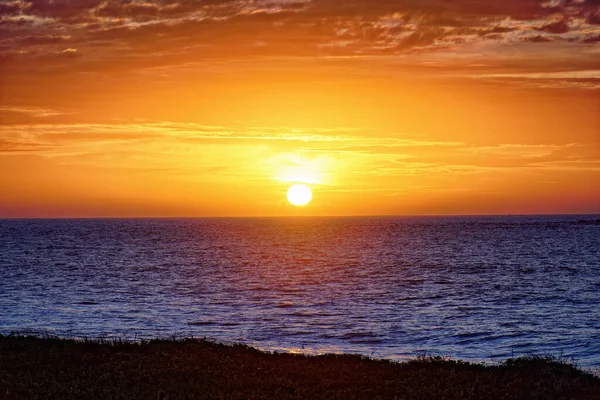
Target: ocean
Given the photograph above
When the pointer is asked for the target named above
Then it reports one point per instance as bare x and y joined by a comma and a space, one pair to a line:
476, 288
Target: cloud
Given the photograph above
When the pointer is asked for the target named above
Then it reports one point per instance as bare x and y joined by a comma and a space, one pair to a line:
591, 39
537, 39
570, 165
70, 10
69, 51
69, 138
116, 38
61, 138
420, 39
9, 147
127, 9
35, 112
522, 150
36, 40
593, 18
11, 7
561, 26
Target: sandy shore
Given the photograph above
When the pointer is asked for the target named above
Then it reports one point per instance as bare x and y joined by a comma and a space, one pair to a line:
195, 369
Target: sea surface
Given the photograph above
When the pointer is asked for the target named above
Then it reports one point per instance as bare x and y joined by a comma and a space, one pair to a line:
475, 288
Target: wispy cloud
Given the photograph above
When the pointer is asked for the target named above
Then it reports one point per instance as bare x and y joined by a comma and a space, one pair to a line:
150, 33
371, 154
342, 138
35, 112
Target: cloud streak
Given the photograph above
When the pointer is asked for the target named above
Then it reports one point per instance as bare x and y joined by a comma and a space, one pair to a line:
404, 156
188, 31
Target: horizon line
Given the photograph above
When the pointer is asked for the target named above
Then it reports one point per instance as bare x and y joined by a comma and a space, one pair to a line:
304, 216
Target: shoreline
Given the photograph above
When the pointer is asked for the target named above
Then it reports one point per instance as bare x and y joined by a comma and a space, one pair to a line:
50, 367
302, 351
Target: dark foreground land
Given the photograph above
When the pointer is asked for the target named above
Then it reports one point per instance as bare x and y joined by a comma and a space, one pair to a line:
196, 369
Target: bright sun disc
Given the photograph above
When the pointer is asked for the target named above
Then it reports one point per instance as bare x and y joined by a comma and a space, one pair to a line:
299, 195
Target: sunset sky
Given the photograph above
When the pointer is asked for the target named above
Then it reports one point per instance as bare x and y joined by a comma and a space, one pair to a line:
215, 107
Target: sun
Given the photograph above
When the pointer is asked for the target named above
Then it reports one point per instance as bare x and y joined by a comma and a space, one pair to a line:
299, 195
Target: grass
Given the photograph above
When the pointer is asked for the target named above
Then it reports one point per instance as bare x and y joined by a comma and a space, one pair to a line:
52, 368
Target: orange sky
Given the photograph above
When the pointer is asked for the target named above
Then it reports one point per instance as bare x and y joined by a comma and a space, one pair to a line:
214, 108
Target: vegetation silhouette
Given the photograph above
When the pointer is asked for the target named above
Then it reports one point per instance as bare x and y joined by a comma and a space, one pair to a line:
53, 368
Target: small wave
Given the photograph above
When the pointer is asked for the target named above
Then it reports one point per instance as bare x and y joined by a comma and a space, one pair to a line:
522, 345
367, 341
311, 314
358, 335
202, 323
468, 335
290, 290
259, 289
284, 305
326, 314
505, 335
328, 336
301, 333
298, 314
407, 298
569, 269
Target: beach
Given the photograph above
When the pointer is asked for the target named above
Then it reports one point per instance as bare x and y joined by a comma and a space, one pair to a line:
52, 368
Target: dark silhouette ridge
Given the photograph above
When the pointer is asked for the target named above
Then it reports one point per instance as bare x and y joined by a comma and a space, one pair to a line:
53, 368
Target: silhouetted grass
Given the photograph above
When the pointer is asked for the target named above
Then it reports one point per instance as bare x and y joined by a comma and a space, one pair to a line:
52, 368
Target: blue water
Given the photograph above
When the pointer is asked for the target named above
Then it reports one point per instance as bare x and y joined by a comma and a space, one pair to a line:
476, 288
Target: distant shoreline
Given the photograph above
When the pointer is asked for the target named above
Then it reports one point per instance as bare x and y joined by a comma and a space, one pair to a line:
34, 367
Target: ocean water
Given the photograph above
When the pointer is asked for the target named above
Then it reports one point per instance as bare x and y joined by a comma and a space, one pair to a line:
475, 288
